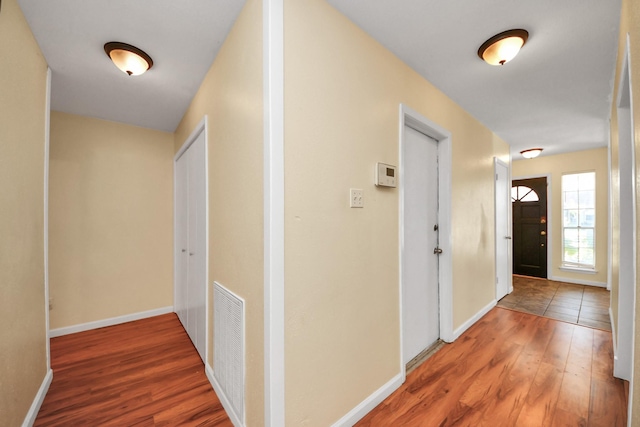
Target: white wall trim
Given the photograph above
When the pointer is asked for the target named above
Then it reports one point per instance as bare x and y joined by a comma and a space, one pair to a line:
109, 322
47, 133
466, 325
274, 323
413, 119
613, 333
37, 401
223, 398
623, 363
609, 209
357, 413
578, 281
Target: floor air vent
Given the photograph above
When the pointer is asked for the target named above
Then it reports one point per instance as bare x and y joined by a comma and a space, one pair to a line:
228, 347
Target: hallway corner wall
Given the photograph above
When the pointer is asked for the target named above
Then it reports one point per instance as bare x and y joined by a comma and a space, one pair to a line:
23, 87
231, 96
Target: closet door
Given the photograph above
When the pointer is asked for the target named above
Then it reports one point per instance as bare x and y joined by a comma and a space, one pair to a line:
197, 264
190, 257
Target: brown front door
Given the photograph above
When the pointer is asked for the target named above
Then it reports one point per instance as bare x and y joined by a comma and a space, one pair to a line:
529, 201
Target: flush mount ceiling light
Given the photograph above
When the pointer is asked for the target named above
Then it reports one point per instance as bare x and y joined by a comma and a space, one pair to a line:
129, 59
503, 47
531, 153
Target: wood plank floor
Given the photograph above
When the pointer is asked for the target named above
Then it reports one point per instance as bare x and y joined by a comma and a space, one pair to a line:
142, 373
512, 369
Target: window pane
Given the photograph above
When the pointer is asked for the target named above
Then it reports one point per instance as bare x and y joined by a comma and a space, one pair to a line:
523, 194
587, 218
571, 218
586, 237
571, 200
531, 196
587, 181
570, 182
586, 199
571, 245
586, 256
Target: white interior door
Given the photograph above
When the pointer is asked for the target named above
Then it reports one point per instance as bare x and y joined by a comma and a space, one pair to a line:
190, 247
503, 229
420, 299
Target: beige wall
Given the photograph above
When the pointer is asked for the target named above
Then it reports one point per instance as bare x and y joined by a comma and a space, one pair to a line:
231, 97
22, 131
629, 24
342, 97
555, 167
110, 219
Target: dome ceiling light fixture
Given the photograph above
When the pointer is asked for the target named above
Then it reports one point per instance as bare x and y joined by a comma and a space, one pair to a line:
503, 47
531, 153
129, 59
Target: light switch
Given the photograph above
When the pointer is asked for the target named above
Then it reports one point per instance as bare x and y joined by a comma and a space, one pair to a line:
356, 199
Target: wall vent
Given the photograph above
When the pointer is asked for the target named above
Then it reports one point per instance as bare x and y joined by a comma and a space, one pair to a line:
228, 347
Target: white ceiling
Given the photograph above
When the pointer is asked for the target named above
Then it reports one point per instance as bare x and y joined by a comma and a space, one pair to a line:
556, 94
182, 38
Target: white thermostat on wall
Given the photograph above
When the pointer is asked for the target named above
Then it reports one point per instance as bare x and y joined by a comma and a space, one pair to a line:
386, 175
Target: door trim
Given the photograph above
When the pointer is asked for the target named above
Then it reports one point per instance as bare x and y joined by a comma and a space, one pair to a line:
550, 236
47, 140
415, 120
200, 128
509, 261
623, 360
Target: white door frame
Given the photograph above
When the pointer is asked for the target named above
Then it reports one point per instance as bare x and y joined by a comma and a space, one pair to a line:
623, 360
200, 128
47, 135
509, 260
415, 120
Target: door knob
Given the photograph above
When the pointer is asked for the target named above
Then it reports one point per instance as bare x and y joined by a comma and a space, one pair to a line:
184, 250
507, 237
437, 251
190, 253
543, 233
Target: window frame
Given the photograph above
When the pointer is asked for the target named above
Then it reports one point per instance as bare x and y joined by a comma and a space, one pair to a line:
571, 265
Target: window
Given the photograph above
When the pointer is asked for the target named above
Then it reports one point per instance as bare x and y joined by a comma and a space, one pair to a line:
579, 220
523, 194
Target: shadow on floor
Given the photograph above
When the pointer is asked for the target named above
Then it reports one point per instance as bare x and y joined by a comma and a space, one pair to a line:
579, 304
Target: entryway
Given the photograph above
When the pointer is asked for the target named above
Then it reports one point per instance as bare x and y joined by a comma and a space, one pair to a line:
529, 204
579, 304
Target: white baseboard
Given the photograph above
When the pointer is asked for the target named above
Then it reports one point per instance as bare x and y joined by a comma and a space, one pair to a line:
235, 420
466, 325
578, 281
357, 413
37, 401
109, 322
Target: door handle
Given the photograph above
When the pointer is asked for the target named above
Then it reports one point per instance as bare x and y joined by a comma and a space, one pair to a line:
437, 251
507, 237
184, 250
543, 233
190, 253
